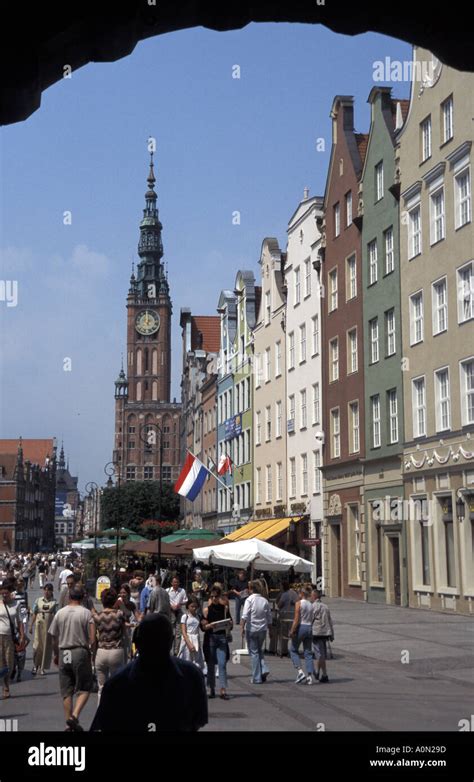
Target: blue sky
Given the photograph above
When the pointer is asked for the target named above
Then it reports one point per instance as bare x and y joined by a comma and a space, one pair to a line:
224, 144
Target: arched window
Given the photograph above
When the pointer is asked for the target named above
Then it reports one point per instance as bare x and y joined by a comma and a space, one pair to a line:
139, 362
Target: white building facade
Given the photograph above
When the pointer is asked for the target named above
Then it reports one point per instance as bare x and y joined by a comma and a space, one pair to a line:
303, 375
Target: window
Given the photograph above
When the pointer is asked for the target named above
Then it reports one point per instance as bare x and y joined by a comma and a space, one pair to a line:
393, 415
335, 434
354, 436
354, 542
316, 472
416, 318
247, 443
292, 477
425, 128
277, 358
443, 401
279, 495
303, 410
258, 427
378, 534
389, 254
374, 340
291, 350
166, 470
297, 285
148, 473
390, 332
268, 482
237, 399
258, 371
437, 216
267, 307
307, 277
315, 336
440, 306
467, 392
278, 419
351, 278
334, 359
258, 486
447, 115
131, 430
348, 198
373, 265
379, 181
352, 351
425, 553
268, 365
304, 473
419, 407
268, 424
316, 403
414, 232
463, 198
131, 444
291, 407
333, 290
130, 474
466, 292
375, 404
449, 551
337, 220
302, 343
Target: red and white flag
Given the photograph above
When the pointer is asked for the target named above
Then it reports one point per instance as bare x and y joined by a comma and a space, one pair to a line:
225, 465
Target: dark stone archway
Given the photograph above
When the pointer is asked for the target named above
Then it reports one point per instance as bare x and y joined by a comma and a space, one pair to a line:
39, 39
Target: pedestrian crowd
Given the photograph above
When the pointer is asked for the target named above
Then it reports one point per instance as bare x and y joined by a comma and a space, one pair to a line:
146, 636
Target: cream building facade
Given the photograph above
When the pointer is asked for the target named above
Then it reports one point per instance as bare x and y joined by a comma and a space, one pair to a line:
269, 453
437, 299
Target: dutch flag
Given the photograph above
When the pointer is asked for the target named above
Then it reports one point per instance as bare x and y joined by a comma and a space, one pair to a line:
191, 478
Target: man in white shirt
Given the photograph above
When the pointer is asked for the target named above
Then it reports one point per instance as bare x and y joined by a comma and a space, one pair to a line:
256, 618
178, 599
63, 576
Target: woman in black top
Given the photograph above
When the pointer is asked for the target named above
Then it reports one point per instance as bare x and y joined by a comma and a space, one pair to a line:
215, 647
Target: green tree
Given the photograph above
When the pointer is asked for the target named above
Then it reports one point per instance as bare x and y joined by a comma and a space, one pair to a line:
138, 501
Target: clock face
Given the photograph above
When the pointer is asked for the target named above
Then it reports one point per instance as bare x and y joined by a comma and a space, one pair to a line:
147, 322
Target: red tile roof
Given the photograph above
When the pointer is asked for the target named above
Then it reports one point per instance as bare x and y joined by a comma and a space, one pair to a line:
206, 333
34, 451
362, 140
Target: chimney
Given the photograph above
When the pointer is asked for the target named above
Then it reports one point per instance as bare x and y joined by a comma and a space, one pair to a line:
305, 193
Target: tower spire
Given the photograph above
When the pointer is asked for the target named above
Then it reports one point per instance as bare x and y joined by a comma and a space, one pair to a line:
150, 246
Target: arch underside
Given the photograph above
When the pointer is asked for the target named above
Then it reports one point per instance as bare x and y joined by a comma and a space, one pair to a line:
39, 40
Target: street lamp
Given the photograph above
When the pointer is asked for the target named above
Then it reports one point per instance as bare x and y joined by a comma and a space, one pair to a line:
148, 436
110, 469
92, 489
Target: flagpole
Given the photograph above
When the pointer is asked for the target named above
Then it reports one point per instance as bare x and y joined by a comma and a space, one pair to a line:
211, 473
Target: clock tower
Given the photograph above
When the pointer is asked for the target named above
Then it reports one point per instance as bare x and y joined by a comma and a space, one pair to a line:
142, 395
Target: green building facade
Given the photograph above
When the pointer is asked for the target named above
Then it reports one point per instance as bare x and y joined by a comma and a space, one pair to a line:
385, 526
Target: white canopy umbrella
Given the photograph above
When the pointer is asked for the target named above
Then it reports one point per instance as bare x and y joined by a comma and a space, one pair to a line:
257, 553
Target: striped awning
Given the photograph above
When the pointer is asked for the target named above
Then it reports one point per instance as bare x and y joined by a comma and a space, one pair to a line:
262, 530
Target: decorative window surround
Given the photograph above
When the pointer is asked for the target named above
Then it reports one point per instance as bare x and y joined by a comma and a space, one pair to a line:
437, 172
457, 157
412, 194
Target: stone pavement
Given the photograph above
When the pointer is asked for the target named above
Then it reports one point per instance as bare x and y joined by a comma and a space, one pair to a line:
370, 688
